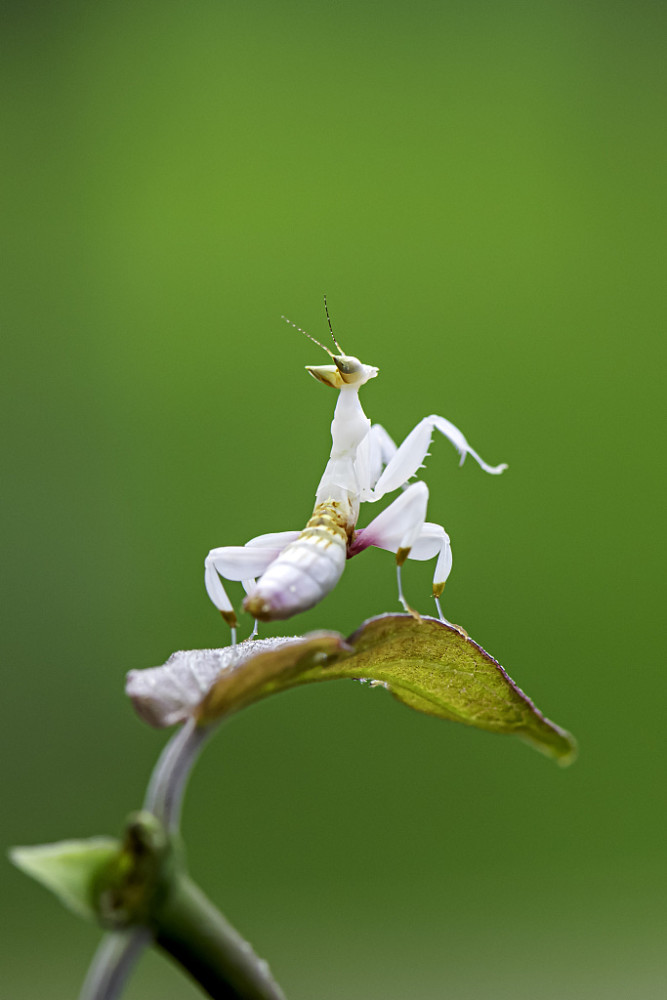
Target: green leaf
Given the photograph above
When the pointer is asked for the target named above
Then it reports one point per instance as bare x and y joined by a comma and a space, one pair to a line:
429, 666
69, 868
434, 668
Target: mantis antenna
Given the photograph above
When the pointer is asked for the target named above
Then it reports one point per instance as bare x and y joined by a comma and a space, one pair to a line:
306, 334
326, 309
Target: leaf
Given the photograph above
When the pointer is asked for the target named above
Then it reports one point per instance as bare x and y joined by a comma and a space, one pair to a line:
427, 665
433, 668
69, 868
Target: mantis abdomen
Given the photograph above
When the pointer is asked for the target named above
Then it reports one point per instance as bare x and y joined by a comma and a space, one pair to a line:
306, 570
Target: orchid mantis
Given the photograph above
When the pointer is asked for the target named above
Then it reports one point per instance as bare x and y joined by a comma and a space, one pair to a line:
286, 572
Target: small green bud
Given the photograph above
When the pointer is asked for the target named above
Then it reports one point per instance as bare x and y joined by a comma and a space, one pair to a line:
127, 888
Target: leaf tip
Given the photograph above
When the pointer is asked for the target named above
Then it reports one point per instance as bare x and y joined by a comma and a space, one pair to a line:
570, 755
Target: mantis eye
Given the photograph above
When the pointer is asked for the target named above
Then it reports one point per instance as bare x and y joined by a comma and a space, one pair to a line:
347, 365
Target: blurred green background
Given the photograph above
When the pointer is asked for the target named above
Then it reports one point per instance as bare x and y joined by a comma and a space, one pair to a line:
479, 189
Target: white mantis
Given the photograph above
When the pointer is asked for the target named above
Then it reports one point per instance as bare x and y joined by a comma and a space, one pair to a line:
286, 572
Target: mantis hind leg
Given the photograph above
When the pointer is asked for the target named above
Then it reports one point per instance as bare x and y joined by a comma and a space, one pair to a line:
243, 563
402, 528
401, 596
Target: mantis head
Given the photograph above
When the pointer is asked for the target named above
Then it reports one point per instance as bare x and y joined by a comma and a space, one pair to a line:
345, 370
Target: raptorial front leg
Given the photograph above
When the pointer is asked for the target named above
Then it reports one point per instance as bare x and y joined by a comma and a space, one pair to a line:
409, 457
244, 563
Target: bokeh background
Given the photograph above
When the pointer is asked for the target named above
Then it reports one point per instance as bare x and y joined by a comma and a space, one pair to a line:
479, 189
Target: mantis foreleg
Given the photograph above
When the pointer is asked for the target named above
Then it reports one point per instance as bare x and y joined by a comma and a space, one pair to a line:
412, 452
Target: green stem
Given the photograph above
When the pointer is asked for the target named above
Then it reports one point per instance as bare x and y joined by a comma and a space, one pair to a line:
196, 935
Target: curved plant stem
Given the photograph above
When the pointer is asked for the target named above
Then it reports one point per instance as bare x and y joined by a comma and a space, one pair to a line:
113, 962
166, 788
179, 918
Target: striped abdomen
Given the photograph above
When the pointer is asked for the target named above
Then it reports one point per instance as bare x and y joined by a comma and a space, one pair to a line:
306, 570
